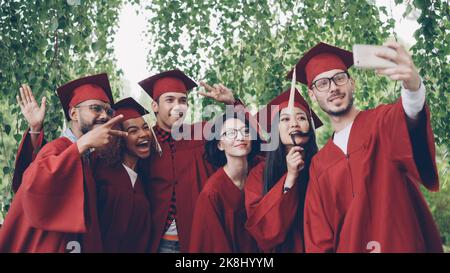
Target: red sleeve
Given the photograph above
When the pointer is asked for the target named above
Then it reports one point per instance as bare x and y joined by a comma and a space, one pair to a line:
318, 233
269, 217
413, 151
25, 155
52, 189
207, 232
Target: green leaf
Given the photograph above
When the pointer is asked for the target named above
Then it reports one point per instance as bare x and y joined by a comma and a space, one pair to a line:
18, 138
54, 24
7, 129
408, 10
95, 46
420, 4
62, 23
73, 2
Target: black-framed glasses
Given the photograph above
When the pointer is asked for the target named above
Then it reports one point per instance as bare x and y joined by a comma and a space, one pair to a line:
233, 133
98, 109
323, 84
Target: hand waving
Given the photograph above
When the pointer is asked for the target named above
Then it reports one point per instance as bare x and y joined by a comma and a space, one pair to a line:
33, 113
218, 92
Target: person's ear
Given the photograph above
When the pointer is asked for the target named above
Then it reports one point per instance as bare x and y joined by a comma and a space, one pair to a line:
155, 107
311, 94
73, 114
220, 146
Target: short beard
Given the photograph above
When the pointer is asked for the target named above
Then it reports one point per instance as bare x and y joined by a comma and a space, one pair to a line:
340, 112
86, 127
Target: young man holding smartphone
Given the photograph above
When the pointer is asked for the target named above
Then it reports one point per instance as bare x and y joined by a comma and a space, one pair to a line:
364, 193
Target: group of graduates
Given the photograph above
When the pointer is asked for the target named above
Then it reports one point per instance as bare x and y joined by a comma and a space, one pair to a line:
112, 183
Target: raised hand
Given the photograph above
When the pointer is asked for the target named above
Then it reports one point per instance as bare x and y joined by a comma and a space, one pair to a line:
101, 135
294, 161
33, 114
404, 71
218, 92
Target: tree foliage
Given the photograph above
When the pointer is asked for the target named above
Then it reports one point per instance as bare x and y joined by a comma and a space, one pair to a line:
45, 44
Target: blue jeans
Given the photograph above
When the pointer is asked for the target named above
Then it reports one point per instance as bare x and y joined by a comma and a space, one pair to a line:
166, 246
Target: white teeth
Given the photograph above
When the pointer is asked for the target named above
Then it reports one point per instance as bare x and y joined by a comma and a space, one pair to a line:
337, 97
143, 142
142, 146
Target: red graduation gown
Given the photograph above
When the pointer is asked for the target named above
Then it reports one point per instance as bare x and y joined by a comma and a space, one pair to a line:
55, 205
370, 200
124, 211
186, 171
274, 219
25, 155
219, 218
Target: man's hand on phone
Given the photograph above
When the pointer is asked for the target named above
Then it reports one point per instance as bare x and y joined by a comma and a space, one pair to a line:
404, 71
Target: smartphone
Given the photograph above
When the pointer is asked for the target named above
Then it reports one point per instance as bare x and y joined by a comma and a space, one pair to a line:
364, 56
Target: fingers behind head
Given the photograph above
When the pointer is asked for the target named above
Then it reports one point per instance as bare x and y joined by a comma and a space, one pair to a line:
207, 86
208, 95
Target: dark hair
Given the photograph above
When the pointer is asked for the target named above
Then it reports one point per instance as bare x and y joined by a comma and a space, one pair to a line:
217, 157
276, 165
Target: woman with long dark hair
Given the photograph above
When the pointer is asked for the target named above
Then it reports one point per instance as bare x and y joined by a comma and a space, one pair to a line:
276, 188
219, 216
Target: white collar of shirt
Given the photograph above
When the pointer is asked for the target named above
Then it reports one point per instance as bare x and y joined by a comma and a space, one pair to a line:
341, 138
69, 134
133, 175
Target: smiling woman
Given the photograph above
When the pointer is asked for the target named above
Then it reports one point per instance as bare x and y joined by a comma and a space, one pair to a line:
225, 131
120, 178
219, 216
276, 188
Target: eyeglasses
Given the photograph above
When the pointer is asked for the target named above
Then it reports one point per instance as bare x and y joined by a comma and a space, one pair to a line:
98, 109
232, 134
323, 84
